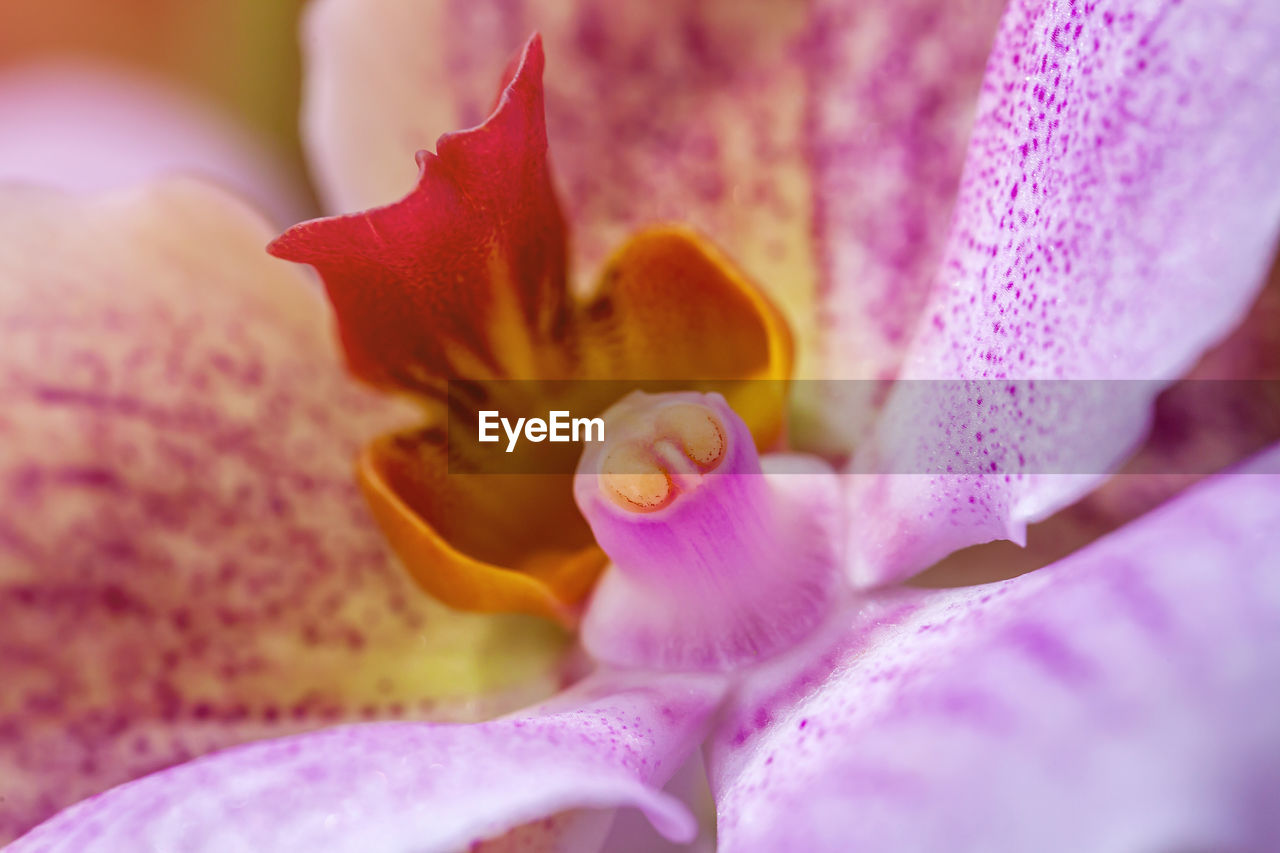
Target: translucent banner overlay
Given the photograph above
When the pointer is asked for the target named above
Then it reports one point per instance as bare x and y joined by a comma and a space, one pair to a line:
932, 427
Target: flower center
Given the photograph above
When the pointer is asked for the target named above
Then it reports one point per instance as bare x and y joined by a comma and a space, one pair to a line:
718, 561
664, 451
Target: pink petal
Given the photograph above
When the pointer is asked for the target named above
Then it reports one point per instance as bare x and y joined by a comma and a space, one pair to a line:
1117, 214
87, 128
1122, 699
403, 786
185, 561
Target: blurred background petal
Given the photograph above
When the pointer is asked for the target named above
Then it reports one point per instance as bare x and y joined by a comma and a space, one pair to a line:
83, 127
199, 85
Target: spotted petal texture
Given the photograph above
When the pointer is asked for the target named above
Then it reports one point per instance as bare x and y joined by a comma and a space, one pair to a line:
185, 560
1118, 211
891, 90
611, 741
1122, 699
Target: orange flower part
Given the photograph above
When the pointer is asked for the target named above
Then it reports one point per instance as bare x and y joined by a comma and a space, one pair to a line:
461, 287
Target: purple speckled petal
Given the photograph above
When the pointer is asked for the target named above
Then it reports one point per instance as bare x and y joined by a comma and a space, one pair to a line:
1121, 699
611, 741
1117, 214
1217, 415
185, 561
892, 90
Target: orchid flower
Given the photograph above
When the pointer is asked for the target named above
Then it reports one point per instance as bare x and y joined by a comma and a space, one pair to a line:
178, 430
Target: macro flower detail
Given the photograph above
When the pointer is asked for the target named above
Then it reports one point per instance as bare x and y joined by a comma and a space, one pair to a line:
466, 279
208, 646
